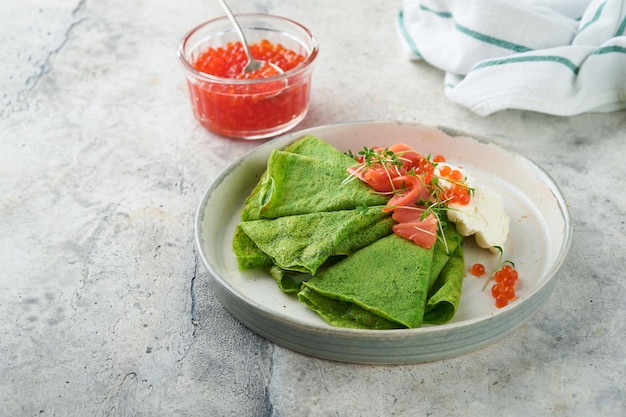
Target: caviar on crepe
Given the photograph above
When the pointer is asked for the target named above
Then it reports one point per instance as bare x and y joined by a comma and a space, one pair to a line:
419, 191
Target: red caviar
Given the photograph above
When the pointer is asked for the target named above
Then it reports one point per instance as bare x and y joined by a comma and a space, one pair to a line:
504, 289
458, 193
239, 108
478, 270
229, 61
445, 171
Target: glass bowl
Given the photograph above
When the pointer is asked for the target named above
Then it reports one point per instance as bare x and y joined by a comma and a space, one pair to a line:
249, 108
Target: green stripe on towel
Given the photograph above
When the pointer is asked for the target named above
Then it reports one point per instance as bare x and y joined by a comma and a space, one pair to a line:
406, 35
445, 15
549, 58
610, 49
622, 28
477, 35
595, 17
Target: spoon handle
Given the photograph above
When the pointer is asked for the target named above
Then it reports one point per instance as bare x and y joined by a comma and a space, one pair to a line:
232, 19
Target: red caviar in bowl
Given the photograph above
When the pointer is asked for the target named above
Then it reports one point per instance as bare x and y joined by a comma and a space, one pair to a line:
229, 61
244, 105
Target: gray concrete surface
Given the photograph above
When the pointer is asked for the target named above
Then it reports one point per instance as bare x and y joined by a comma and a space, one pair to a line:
105, 309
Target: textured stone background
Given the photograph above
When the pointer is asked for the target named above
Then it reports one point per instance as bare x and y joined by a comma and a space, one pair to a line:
104, 307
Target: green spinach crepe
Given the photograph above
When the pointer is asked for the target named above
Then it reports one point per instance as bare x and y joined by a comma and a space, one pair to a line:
307, 176
304, 242
392, 283
330, 242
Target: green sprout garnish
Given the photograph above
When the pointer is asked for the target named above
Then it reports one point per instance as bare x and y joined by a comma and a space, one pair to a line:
500, 264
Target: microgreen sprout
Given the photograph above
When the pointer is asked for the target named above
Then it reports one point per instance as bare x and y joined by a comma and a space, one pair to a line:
385, 158
499, 266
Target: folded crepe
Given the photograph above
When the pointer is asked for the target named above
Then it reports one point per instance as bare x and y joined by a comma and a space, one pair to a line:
305, 242
445, 294
307, 176
392, 283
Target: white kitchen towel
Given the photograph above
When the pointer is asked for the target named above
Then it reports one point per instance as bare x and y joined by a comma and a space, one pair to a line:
561, 57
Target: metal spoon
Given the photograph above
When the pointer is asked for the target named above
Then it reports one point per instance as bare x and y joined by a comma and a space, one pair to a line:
253, 64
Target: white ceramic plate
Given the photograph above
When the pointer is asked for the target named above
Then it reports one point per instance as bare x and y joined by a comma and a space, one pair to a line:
539, 239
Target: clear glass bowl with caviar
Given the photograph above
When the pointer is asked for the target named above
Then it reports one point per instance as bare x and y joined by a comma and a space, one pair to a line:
250, 105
